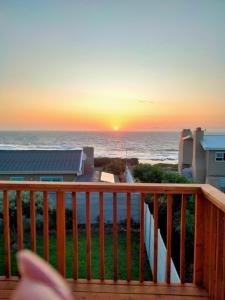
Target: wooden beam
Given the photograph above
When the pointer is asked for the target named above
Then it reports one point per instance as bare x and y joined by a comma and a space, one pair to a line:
214, 195
102, 187
142, 245
168, 237
212, 253
128, 238
75, 236
199, 240
61, 233
155, 265
7, 253
102, 233
115, 237
88, 236
19, 213
32, 222
46, 225
219, 280
182, 238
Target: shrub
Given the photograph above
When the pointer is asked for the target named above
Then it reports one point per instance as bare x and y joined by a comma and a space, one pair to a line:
156, 174
26, 210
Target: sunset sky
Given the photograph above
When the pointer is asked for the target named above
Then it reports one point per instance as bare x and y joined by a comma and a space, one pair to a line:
99, 64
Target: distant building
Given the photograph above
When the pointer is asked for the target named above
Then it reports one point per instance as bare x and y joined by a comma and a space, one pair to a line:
45, 165
202, 157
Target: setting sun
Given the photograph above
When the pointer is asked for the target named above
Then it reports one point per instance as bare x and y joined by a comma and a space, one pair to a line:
115, 128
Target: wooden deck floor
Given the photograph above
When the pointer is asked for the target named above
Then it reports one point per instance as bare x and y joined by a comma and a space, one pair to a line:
95, 290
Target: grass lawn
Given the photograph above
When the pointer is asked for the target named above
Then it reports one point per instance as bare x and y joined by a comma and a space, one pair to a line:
95, 255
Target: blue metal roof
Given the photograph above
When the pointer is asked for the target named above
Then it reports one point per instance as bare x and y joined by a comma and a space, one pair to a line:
40, 161
213, 142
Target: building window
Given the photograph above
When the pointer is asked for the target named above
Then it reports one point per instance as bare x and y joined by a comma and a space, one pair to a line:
51, 178
220, 156
17, 178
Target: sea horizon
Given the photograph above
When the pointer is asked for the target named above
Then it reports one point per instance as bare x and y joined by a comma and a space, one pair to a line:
148, 147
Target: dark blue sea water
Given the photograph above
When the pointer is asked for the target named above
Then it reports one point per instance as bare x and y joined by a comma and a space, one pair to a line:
149, 147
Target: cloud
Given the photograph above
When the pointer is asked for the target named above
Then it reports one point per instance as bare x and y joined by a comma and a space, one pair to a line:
146, 101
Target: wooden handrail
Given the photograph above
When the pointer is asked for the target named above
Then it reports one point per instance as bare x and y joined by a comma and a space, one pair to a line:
100, 187
210, 193
214, 195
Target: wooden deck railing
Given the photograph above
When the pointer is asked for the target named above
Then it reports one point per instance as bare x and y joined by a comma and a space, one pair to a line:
209, 235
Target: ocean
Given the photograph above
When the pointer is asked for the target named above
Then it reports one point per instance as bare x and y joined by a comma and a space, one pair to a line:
149, 147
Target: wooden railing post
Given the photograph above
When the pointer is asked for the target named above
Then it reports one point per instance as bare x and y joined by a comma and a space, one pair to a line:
212, 255
168, 237
102, 233
61, 233
75, 236
88, 235
32, 222
207, 244
6, 234
182, 238
219, 280
19, 212
199, 240
115, 236
155, 265
142, 245
46, 226
128, 238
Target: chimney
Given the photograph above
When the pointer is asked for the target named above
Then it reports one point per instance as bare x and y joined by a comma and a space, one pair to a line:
185, 132
198, 163
182, 151
89, 159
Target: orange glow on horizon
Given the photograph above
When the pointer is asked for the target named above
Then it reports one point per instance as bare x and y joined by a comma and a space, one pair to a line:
70, 110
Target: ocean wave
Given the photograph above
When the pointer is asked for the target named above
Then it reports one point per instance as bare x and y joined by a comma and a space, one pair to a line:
144, 146
34, 147
166, 150
163, 159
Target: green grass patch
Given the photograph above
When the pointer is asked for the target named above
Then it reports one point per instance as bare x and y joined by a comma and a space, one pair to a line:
95, 255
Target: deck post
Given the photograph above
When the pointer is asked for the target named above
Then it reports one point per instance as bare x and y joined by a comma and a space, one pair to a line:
61, 233
6, 234
199, 246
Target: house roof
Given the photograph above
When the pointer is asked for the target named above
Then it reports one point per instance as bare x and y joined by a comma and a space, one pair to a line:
93, 176
213, 142
40, 161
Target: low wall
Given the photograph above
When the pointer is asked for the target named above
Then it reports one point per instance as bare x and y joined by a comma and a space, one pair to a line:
108, 206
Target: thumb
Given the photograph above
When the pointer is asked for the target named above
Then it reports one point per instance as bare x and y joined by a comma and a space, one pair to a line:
39, 279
